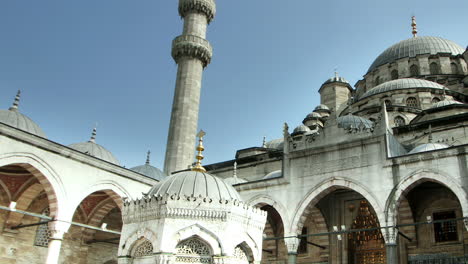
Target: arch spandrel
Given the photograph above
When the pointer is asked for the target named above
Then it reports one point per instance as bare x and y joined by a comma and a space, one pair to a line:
324, 188
416, 178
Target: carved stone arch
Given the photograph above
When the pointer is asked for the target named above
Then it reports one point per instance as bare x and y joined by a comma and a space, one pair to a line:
96, 217
324, 188
246, 251
129, 243
116, 191
141, 248
264, 199
251, 247
416, 178
45, 174
199, 231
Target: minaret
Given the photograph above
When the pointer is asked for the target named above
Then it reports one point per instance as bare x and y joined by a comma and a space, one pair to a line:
192, 52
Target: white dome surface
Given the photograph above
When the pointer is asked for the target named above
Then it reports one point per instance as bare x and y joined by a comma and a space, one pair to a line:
17, 120
95, 150
428, 147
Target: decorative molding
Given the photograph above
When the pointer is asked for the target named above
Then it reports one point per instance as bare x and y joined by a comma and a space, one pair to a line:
193, 47
205, 7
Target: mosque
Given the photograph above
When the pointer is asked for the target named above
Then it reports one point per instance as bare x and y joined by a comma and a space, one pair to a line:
377, 173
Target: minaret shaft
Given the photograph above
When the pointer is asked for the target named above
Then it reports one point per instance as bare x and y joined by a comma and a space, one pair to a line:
192, 52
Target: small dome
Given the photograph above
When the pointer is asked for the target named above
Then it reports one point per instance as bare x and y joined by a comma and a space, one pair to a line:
428, 147
93, 149
401, 84
148, 170
195, 184
313, 115
234, 180
301, 129
322, 108
14, 118
337, 79
273, 174
275, 144
354, 122
444, 102
412, 47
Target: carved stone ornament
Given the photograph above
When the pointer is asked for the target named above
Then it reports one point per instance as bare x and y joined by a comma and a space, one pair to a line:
193, 47
206, 7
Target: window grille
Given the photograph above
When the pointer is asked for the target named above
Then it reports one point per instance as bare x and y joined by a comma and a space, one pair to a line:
399, 121
240, 255
414, 70
193, 251
435, 100
412, 102
434, 68
43, 233
445, 231
145, 248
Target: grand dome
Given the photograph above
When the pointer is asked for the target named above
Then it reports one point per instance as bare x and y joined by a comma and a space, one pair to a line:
416, 46
195, 184
14, 118
93, 149
399, 84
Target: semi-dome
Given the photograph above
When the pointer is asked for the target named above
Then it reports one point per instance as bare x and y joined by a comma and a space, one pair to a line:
416, 46
301, 129
275, 144
445, 102
401, 84
273, 175
354, 122
428, 147
149, 171
93, 149
14, 118
195, 184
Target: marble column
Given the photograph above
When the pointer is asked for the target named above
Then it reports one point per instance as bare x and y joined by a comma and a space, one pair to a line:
58, 230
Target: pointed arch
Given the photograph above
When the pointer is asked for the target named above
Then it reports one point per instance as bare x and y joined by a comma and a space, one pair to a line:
416, 178
324, 188
97, 216
129, 243
246, 241
264, 199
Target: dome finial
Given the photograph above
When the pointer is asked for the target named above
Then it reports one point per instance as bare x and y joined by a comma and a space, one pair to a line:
413, 25
93, 135
200, 148
15, 105
264, 142
234, 174
148, 157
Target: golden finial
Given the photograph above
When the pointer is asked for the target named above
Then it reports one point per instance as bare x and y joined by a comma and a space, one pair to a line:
413, 25
200, 149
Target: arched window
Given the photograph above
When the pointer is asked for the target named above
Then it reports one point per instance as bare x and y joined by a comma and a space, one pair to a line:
388, 102
377, 81
399, 121
412, 102
414, 70
240, 256
435, 100
193, 251
394, 74
454, 68
143, 248
43, 232
434, 68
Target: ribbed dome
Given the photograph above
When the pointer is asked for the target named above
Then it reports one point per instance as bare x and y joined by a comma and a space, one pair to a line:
322, 108
93, 149
335, 79
195, 184
313, 115
428, 147
275, 144
416, 46
14, 118
401, 84
234, 180
354, 122
444, 102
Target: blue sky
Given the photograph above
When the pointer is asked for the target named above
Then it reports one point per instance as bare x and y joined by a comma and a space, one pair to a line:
108, 61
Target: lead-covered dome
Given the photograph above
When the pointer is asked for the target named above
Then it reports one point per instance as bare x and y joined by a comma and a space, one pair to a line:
93, 149
428, 147
416, 46
14, 118
275, 144
195, 184
149, 171
354, 122
445, 102
401, 84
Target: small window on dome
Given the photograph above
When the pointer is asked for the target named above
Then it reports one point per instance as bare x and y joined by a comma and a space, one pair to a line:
434, 68
399, 121
412, 102
394, 74
454, 68
435, 100
414, 70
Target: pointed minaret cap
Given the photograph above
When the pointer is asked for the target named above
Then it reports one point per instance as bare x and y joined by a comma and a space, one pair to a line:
264, 142
148, 157
234, 174
93, 135
413, 26
15, 105
198, 167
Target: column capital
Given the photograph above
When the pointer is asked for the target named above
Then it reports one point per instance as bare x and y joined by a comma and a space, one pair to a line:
292, 243
206, 7
193, 47
390, 235
58, 229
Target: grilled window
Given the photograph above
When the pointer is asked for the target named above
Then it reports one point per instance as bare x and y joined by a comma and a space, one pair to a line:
434, 68
435, 100
399, 121
412, 102
445, 231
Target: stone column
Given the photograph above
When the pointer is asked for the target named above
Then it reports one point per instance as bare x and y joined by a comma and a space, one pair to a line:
58, 230
192, 52
292, 244
390, 234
